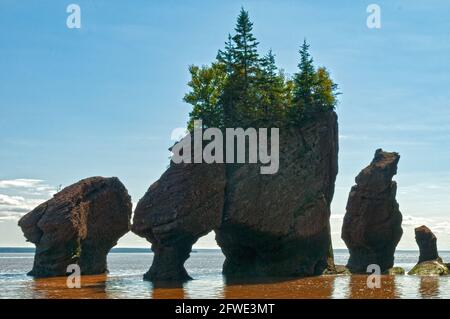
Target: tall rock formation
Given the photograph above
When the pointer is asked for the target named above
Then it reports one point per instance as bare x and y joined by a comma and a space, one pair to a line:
183, 205
79, 225
372, 223
278, 225
266, 225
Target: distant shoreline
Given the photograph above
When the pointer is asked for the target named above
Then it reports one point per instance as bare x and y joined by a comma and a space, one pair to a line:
21, 250
124, 250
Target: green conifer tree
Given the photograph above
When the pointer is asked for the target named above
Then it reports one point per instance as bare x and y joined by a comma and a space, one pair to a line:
241, 89
271, 90
227, 55
239, 99
246, 56
304, 79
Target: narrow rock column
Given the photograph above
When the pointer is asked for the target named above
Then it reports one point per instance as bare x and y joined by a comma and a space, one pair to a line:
182, 206
168, 262
372, 223
426, 241
429, 264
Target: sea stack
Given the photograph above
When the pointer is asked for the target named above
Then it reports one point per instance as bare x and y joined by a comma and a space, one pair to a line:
426, 241
183, 205
278, 225
79, 225
429, 261
372, 223
273, 225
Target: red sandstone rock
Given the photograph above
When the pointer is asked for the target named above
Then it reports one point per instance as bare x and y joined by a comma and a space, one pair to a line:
79, 225
372, 223
427, 244
266, 225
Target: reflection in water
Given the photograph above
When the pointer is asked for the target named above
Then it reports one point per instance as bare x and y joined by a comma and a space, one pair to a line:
303, 288
125, 281
429, 286
132, 286
56, 288
358, 288
168, 290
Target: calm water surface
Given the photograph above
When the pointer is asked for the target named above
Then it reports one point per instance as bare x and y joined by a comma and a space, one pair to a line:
126, 270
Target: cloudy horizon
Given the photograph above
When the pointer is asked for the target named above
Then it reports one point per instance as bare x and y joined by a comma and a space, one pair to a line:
19, 196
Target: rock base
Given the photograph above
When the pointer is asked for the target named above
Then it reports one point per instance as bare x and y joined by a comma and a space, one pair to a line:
430, 268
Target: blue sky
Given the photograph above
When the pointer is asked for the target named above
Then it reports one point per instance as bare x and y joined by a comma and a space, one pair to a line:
104, 99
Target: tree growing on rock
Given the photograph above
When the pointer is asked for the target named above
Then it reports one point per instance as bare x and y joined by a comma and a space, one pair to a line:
243, 89
207, 84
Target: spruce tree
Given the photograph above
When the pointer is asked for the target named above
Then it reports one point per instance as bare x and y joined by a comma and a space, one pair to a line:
243, 90
268, 64
245, 51
239, 98
304, 79
304, 82
271, 86
227, 55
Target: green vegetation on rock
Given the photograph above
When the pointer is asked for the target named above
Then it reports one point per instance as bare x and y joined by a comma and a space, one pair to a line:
243, 89
429, 268
395, 271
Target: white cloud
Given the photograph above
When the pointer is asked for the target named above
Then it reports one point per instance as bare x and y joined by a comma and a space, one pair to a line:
19, 183
440, 226
436, 224
10, 200
19, 196
427, 127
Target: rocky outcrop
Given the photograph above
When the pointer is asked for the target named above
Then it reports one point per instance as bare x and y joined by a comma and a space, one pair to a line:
79, 225
372, 223
337, 270
430, 264
430, 268
426, 241
395, 271
183, 205
266, 225
278, 225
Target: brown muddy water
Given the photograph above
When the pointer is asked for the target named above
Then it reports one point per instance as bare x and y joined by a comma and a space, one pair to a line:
126, 269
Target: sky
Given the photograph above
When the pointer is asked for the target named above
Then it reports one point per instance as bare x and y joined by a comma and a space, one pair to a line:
104, 99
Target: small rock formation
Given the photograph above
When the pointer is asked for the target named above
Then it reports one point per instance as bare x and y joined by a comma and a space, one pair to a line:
430, 264
337, 270
395, 271
266, 225
426, 241
182, 206
372, 223
430, 268
79, 225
